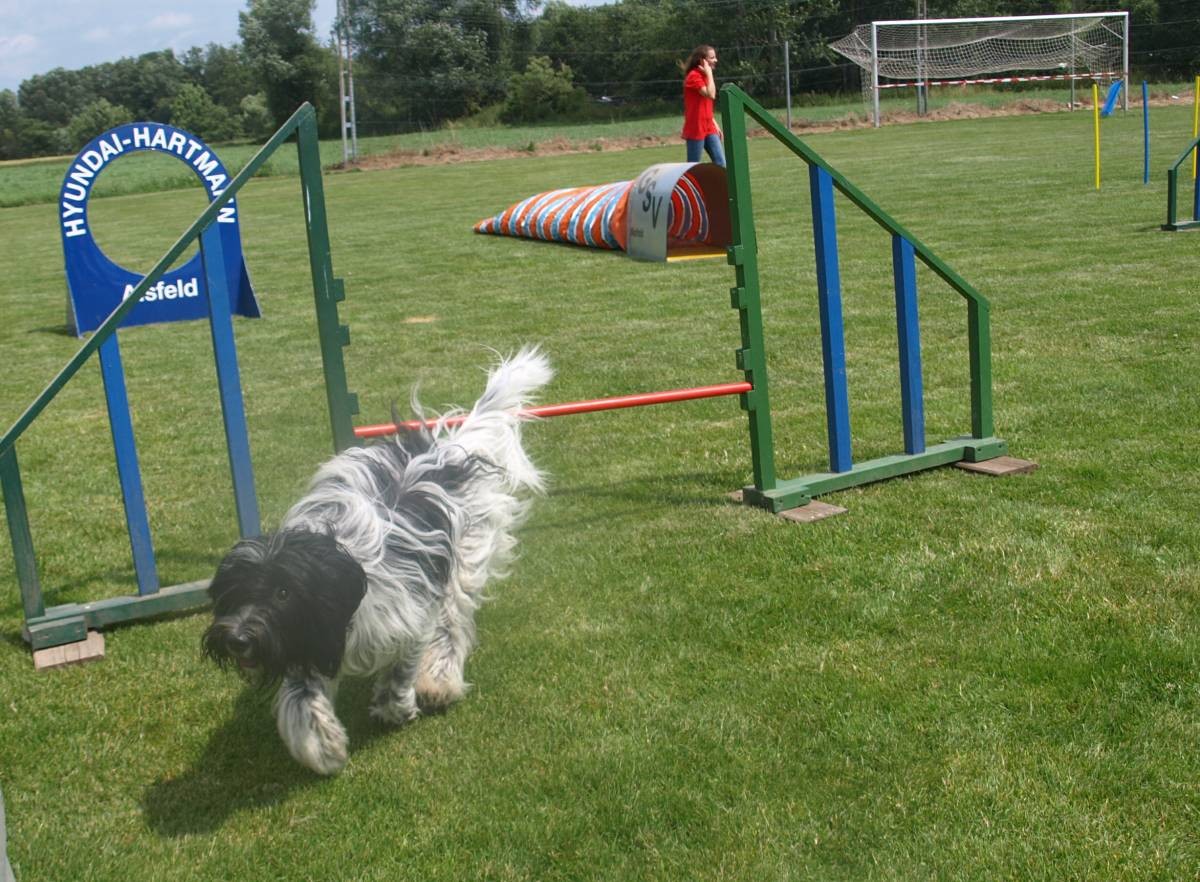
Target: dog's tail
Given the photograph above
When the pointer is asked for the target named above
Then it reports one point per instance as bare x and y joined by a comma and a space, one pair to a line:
492, 430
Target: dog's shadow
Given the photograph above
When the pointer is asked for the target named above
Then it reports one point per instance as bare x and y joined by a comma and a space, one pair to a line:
244, 765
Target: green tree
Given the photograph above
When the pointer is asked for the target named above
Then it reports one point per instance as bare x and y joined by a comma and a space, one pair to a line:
11, 123
223, 72
279, 45
54, 97
145, 84
429, 60
630, 49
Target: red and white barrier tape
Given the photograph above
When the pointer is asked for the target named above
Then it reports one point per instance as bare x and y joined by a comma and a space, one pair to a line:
1029, 79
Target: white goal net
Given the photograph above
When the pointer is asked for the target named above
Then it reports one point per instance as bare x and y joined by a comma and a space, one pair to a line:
958, 51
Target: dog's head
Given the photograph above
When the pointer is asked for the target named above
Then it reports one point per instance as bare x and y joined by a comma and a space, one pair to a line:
283, 603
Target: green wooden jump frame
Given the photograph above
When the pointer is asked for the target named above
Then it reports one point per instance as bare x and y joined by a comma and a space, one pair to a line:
1173, 223
55, 625
768, 490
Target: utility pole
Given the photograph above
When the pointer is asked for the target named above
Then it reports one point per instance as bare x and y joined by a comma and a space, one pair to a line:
347, 114
787, 82
337, 36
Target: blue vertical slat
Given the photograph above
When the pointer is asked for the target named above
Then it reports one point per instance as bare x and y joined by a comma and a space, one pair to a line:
1145, 133
829, 296
908, 335
128, 472
229, 382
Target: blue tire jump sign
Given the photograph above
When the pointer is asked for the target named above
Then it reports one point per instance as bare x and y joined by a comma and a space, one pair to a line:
96, 285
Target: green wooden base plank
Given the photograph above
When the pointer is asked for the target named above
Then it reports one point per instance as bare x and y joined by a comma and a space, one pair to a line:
1182, 225
981, 449
800, 491
70, 622
56, 632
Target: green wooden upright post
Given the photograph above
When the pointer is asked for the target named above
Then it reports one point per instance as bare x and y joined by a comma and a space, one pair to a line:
745, 298
1172, 190
22, 539
979, 342
327, 291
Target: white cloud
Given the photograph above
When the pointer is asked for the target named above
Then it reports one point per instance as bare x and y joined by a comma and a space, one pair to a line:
170, 20
97, 35
20, 44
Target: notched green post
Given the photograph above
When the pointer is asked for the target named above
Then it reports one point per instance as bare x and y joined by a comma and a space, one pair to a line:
327, 291
751, 358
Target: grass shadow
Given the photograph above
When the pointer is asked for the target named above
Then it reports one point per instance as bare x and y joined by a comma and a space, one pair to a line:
244, 766
55, 330
14, 640
122, 582
694, 489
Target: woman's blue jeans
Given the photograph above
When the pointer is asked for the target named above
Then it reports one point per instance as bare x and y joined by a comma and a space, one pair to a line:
711, 143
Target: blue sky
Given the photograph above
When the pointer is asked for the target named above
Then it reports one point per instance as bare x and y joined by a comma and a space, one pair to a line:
39, 35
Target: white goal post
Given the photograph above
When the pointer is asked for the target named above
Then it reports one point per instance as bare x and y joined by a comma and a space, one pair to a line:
958, 51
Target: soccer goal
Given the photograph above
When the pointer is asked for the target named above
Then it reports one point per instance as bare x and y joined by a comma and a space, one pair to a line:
924, 53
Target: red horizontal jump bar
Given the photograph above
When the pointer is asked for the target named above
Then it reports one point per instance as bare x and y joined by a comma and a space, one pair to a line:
553, 410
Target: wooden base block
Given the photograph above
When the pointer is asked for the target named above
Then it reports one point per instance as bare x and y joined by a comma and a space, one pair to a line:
814, 511
70, 653
999, 466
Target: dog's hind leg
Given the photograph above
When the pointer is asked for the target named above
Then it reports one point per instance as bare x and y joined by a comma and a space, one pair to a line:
395, 700
310, 729
440, 677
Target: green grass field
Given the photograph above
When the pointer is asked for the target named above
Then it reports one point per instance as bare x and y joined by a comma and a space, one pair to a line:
962, 678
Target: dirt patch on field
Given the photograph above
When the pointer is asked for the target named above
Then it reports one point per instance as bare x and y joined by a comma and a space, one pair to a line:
443, 154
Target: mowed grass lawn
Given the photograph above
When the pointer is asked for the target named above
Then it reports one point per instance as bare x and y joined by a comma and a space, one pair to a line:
960, 678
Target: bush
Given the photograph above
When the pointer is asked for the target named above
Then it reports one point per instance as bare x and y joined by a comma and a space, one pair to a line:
257, 122
542, 93
194, 111
94, 119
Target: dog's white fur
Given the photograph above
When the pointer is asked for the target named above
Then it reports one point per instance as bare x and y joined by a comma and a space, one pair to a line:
411, 630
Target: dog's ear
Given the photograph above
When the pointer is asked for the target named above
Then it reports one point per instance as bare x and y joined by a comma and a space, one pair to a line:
240, 575
335, 585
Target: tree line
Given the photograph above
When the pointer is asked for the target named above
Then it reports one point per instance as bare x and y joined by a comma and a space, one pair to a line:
420, 63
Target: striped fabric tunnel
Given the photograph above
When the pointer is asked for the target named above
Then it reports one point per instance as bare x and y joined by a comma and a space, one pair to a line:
595, 217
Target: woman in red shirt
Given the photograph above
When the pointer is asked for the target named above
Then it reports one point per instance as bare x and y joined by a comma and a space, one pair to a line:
700, 130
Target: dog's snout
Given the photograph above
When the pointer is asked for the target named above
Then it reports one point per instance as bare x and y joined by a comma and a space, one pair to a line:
237, 644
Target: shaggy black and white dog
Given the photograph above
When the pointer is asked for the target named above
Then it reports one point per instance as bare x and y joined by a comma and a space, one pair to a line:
378, 570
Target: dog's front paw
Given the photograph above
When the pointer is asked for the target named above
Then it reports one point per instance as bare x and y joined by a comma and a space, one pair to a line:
313, 734
325, 753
